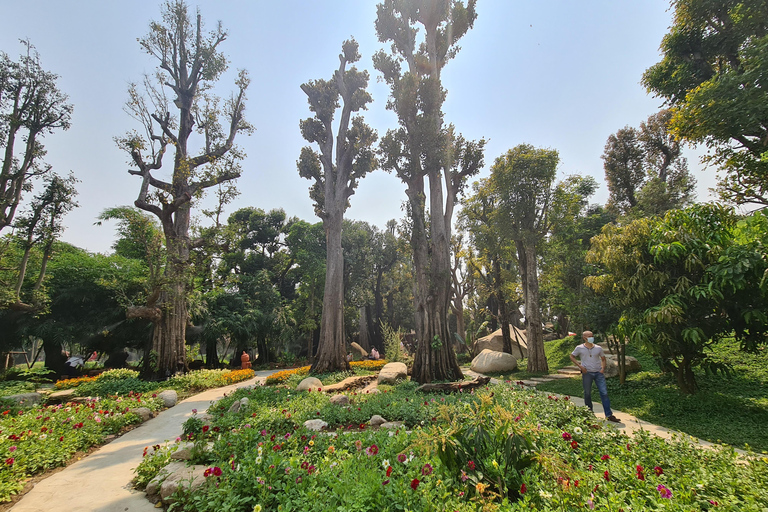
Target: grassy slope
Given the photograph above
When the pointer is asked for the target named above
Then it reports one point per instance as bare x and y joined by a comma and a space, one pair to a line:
731, 410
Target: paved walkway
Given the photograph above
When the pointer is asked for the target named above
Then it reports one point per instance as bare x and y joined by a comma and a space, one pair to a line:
101, 482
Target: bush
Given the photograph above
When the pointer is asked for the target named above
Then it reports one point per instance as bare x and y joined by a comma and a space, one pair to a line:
108, 387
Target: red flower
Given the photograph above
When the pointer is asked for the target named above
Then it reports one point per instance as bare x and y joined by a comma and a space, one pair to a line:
415, 483
607, 475
523, 489
389, 471
207, 472
574, 444
605, 457
9, 462
658, 470
217, 471
205, 428
471, 465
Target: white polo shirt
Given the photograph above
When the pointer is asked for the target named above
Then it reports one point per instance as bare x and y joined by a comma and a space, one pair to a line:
591, 358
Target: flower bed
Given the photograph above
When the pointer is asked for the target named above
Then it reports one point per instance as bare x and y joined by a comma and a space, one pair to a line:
41, 438
502, 448
283, 375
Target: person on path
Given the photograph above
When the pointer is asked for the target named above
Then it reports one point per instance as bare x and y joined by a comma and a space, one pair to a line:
592, 365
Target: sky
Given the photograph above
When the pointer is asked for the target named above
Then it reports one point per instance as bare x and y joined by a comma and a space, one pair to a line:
558, 74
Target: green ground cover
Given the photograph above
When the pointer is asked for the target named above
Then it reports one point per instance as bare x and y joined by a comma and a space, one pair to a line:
500, 448
729, 409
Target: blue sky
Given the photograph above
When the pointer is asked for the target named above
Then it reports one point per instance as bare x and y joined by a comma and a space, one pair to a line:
553, 73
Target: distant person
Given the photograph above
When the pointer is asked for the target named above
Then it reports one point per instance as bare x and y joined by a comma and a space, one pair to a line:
374, 354
592, 365
349, 357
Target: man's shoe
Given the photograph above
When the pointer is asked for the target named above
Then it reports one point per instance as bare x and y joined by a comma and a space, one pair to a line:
613, 418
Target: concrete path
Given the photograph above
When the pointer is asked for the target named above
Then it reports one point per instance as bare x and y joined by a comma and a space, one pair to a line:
101, 482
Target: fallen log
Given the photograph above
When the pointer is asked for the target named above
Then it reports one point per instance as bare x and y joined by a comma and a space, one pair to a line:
453, 387
349, 383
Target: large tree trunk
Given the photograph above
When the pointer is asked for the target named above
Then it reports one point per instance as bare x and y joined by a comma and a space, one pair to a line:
54, 359
168, 336
537, 360
331, 355
434, 358
362, 324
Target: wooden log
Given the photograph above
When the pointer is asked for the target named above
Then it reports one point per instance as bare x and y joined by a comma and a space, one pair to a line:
349, 383
453, 387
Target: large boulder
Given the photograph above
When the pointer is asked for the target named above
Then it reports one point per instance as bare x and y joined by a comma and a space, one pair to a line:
309, 384
188, 477
340, 400
495, 342
316, 425
169, 397
143, 412
612, 365
489, 361
391, 372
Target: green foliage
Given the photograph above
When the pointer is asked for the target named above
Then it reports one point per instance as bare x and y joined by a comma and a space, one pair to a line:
715, 60
15, 387
393, 350
115, 387
152, 463
118, 374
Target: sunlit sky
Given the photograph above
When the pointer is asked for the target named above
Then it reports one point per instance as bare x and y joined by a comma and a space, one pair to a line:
553, 73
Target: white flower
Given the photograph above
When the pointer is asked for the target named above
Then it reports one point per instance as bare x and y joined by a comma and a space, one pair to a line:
385, 463
544, 494
577, 430
258, 459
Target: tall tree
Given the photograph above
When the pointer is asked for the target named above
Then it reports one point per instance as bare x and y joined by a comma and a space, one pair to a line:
31, 106
190, 62
336, 176
713, 75
524, 179
424, 148
645, 170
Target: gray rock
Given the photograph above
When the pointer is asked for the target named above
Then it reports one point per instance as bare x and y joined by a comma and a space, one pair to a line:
143, 412
186, 478
376, 420
489, 361
316, 425
25, 398
169, 397
235, 407
153, 487
391, 372
392, 424
244, 402
340, 400
183, 452
309, 384
612, 365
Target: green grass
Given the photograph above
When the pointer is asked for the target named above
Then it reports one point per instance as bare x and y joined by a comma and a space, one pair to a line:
732, 410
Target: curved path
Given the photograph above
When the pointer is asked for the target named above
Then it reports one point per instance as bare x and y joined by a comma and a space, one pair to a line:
101, 482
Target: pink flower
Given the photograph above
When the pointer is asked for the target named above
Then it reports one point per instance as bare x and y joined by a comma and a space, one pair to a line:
401, 457
12, 449
426, 470
372, 450
566, 436
385, 482
664, 492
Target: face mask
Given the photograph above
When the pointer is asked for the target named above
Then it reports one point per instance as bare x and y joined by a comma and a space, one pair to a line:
590, 340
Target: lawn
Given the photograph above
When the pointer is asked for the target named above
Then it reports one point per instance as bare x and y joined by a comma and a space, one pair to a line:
729, 409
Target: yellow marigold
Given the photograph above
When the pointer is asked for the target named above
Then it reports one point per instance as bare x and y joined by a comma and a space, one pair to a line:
480, 487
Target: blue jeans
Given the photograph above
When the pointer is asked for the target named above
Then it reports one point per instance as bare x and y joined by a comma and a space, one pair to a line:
599, 379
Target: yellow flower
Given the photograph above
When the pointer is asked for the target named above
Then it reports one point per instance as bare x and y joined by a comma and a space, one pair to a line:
480, 487
257, 508
331, 449
495, 464
311, 443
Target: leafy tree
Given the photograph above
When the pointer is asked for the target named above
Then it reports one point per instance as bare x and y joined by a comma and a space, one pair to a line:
483, 219
713, 75
524, 180
423, 148
336, 176
190, 62
42, 226
645, 170
31, 106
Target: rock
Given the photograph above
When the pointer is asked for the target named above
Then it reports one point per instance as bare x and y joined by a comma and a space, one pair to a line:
309, 384
59, 397
183, 452
187, 477
391, 372
316, 425
244, 402
235, 407
153, 487
612, 365
25, 398
169, 397
495, 342
143, 412
376, 420
489, 361
391, 424
340, 400
360, 349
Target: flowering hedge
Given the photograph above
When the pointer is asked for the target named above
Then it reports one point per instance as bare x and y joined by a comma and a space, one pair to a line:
41, 438
284, 375
73, 383
501, 448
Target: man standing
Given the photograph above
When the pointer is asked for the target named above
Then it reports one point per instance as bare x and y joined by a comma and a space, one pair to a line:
592, 365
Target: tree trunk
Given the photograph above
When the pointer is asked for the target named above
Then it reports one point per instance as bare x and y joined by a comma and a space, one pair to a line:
434, 358
686, 380
54, 359
537, 360
331, 355
503, 317
168, 336
364, 339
